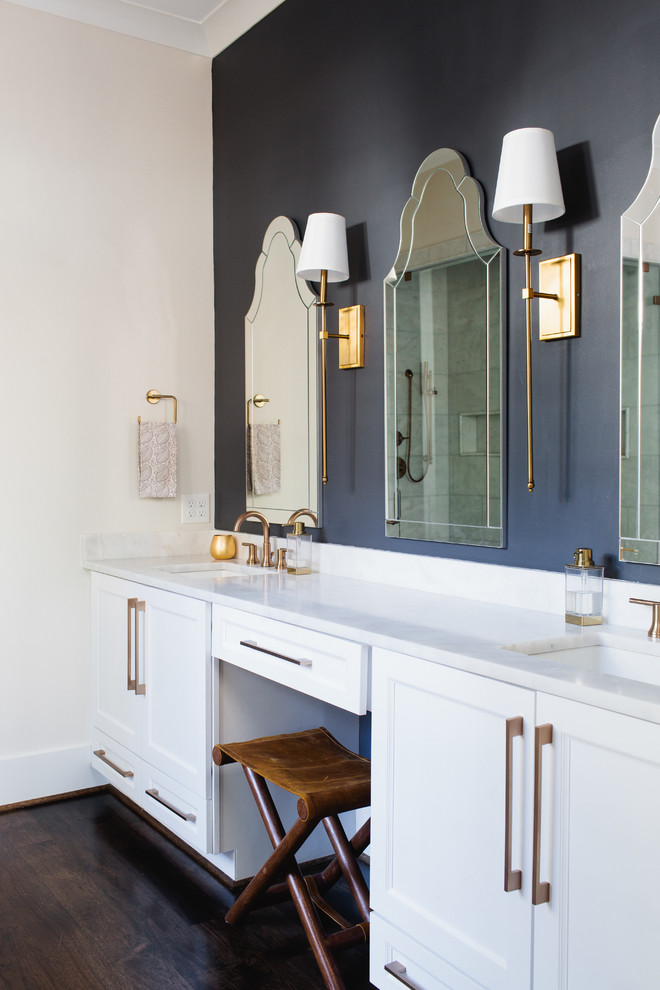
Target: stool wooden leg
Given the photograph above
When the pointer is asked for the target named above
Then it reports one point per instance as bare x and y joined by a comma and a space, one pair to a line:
332, 871
348, 863
285, 846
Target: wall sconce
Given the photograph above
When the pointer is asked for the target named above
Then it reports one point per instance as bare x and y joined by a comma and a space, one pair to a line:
324, 258
529, 191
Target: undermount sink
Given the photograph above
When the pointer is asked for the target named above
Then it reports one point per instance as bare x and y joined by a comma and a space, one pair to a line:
600, 653
211, 568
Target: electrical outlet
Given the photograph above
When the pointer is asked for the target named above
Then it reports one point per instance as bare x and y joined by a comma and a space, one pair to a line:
195, 508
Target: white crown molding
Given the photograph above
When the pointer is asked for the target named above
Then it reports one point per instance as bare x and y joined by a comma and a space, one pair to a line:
227, 22
233, 19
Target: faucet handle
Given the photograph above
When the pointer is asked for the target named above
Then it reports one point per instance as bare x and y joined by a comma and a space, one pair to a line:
281, 559
252, 553
654, 631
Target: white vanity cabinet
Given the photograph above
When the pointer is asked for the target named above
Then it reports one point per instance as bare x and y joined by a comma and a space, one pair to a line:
152, 702
438, 828
457, 793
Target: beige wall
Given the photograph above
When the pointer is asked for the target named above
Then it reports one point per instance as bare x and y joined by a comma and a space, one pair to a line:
105, 292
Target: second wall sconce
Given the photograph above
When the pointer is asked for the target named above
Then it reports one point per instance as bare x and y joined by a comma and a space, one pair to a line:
529, 191
324, 258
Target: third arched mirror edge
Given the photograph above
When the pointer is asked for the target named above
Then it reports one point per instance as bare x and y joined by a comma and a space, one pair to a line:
444, 364
639, 490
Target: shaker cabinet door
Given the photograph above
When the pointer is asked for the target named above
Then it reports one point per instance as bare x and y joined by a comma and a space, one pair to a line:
439, 789
600, 850
176, 730
117, 635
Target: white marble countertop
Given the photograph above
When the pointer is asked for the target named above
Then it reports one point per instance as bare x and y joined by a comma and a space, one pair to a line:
459, 632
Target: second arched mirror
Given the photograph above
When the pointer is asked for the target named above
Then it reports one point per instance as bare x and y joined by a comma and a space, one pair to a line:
444, 364
280, 382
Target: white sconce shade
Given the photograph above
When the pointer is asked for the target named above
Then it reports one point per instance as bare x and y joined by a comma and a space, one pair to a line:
324, 248
528, 175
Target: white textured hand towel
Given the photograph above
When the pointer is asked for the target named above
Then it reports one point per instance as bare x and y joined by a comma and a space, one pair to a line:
157, 460
263, 459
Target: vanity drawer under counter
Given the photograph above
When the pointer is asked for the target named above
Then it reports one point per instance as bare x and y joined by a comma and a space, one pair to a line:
327, 667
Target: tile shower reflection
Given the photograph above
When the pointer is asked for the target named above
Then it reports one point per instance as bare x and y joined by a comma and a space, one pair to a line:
443, 367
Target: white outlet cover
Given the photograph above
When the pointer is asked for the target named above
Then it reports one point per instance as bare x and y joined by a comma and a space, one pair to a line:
195, 508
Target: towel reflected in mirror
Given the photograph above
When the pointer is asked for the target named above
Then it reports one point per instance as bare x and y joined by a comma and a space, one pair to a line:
263, 458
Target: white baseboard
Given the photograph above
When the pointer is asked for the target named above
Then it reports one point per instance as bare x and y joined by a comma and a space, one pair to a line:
41, 775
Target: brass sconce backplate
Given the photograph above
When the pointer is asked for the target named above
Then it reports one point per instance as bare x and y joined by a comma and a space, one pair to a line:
560, 317
351, 329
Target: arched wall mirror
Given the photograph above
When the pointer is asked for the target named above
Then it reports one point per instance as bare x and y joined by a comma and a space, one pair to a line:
444, 364
640, 371
281, 425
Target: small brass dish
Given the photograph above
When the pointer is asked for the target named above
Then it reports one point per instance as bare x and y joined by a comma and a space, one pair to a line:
223, 547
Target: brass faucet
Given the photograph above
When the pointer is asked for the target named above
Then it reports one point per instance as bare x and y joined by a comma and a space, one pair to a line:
266, 560
302, 512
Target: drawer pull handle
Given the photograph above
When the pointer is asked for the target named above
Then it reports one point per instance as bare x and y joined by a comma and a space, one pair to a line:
512, 878
271, 653
113, 766
540, 890
186, 815
134, 608
398, 970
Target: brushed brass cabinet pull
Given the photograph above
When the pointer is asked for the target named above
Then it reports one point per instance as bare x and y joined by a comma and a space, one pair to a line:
398, 971
113, 766
512, 878
271, 653
186, 815
542, 737
132, 603
139, 688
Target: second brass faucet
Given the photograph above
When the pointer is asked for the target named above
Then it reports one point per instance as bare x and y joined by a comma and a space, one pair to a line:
266, 559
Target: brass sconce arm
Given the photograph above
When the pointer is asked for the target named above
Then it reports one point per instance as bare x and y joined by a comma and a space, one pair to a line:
564, 303
527, 252
323, 258
351, 354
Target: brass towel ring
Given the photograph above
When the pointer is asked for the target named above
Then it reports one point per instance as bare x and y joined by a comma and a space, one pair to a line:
259, 401
153, 396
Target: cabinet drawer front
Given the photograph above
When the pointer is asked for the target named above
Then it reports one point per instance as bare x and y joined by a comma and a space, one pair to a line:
322, 666
411, 966
181, 811
119, 765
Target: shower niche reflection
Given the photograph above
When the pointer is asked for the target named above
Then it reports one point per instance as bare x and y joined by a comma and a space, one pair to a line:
443, 366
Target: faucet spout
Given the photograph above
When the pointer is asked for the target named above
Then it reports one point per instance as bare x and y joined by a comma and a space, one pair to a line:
266, 559
303, 512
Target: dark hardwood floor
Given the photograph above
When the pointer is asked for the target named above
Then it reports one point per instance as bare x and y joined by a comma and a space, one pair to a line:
93, 898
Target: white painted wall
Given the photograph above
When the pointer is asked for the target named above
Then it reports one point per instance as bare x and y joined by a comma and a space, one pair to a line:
105, 292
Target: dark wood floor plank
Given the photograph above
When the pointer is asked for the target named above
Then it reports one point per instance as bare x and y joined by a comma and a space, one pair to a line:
93, 898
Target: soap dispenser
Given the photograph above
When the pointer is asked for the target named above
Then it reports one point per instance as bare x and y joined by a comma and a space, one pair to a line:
299, 550
584, 590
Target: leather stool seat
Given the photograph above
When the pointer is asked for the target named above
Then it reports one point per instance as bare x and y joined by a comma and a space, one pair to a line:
328, 779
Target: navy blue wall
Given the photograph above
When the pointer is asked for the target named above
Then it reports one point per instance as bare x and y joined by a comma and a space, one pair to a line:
332, 107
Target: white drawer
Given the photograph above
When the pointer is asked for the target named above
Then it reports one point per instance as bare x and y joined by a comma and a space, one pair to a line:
186, 814
119, 765
325, 667
411, 965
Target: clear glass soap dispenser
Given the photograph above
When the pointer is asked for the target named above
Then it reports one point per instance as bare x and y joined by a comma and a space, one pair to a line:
299, 550
584, 590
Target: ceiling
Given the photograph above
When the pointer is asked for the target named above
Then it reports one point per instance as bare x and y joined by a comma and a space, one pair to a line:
204, 27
